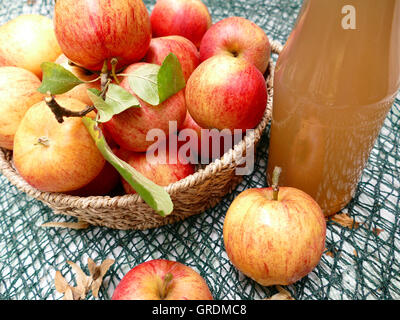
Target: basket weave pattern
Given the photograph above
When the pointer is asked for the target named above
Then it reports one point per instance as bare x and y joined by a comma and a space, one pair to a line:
192, 195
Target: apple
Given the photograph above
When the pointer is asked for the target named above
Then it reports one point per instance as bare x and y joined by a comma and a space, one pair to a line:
184, 49
209, 144
188, 18
27, 41
79, 92
18, 92
130, 128
275, 236
161, 170
56, 157
105, 182
226, 93
240, 38
91, 32
161, 279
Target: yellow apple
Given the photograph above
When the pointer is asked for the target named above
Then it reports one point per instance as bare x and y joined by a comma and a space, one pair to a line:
27, 41
18, 92
53, 156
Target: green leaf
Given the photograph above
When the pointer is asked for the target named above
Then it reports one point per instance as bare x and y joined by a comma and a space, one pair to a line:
120, 99
155, 84
154, 195
117, 100
105, 110
143, 82
56, 79
170, 78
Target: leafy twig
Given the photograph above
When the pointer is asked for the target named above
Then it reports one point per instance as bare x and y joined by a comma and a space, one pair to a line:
61, 112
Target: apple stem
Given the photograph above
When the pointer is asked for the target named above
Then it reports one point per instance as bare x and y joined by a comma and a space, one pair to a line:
104, 75
164, 289
114, 62
275, 182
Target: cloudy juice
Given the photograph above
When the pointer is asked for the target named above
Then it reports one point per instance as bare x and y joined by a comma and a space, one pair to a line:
335, 81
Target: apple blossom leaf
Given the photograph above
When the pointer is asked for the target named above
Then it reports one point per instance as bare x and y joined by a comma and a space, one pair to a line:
143, 82
154, 195
56, 79
170, 78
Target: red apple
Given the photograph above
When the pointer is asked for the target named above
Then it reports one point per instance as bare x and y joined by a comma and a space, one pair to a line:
188, 18
56, 157
105, 182
274, 237
225, 92
130, 128
184, 49
27, 41
79, 92
18, 92
237, 37
209, 144
162, 280
156, 169
89, 32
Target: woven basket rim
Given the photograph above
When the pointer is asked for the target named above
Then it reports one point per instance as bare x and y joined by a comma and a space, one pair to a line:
228, 159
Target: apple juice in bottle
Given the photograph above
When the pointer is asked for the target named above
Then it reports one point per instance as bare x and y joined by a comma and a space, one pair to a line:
335, 81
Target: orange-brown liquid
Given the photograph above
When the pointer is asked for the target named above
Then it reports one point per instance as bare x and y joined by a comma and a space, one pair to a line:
333, 88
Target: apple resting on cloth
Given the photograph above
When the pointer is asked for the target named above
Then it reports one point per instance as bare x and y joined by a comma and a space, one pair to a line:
162, 280
184, 49
274, 236
53, 156
237, 37
188, 18
226, 93
130, 128
27, 41
89, 32
18, 92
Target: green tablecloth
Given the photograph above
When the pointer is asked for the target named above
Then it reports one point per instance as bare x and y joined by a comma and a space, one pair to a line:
365, 264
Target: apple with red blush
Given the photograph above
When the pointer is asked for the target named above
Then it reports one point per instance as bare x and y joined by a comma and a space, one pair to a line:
92, 32
275, 235
162, 279
188, 18
225, 92
184, 49
237, 37
130, 128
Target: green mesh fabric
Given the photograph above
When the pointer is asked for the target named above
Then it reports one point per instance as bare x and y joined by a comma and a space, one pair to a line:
365, 265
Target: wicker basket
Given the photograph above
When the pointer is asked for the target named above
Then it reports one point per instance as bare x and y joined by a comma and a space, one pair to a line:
192, 195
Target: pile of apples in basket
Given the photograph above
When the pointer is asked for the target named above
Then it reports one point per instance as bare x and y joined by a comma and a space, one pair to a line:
91, 100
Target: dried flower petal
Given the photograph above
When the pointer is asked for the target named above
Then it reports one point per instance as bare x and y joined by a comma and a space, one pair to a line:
97, 273
281, 295
68, 294
345, 221
82, 280
60, 283
70, 225
331, 253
